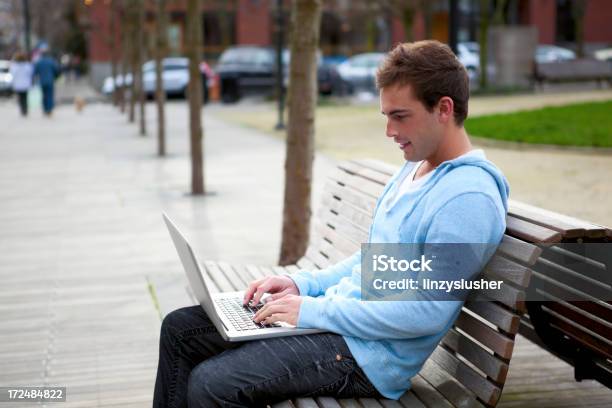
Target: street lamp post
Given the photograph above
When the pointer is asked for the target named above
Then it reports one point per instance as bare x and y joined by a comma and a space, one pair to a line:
279, 65
26, 20
453, 25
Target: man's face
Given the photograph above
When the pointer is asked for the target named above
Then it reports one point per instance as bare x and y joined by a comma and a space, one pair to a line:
417, 131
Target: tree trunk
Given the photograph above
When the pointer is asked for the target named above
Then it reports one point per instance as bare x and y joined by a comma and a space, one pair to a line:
302, 99
408, 21
124, 58
160, 94
132, 45
483, 40
113, 50
578, 12
499, 16
141, 50
194, 46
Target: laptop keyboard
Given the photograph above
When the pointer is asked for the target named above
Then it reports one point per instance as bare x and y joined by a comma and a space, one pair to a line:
241, 316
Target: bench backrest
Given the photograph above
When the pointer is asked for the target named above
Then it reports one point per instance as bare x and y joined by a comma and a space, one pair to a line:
573, 317
574, 69
471, 362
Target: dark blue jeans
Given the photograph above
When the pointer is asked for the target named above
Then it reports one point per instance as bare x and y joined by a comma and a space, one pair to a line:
197, 368
48, 100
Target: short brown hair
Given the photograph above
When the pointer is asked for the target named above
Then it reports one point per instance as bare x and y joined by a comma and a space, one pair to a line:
432, 70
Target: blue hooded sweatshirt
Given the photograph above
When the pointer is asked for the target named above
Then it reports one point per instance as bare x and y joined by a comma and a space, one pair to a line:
464, 201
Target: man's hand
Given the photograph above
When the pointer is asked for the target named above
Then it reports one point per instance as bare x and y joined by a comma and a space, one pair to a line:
286, 309
278, 286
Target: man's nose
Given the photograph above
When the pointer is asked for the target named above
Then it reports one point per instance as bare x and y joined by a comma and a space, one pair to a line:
390, 131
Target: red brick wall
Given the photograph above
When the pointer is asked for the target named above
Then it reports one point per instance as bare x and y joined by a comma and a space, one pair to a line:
598, 21
543, 14
253, 22
99, 33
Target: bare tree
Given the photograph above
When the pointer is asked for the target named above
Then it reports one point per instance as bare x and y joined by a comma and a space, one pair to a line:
124, 56
194, 91
113, 49
406, 9
140, 56
130, 34
483, 34
161, 46
578, 12
302, 100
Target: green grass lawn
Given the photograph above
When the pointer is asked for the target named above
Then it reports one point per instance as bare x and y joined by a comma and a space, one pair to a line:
585, 124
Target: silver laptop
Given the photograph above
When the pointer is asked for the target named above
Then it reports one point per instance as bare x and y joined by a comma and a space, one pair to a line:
233, 320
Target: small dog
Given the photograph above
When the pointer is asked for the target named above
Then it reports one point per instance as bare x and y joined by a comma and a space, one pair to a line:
79, 104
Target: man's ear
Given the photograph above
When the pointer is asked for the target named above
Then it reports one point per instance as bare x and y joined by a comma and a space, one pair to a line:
446, 107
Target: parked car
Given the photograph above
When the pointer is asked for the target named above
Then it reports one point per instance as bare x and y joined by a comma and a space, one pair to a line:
469, 55
175, 78
248, 70
552, 53
604, 55
6, 79
359, 71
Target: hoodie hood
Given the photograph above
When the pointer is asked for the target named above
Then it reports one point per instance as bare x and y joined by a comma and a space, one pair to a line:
478, 159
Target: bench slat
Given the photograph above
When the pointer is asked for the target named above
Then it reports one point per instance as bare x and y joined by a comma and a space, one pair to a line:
317, 258
485, 390
327, 402
307, 264
491, 365
580, 334
358, 199
428, 394
377, 165
365, 172
305, 403
494, 313
218, 276
236, 279
254, 271
531, 232
602, 327
448, 386
342, 243
369, 403
410, 400
509, 270
520, 250
357, 183
490, 338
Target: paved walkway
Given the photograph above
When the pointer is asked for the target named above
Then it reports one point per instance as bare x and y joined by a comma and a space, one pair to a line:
82, 238
81, 198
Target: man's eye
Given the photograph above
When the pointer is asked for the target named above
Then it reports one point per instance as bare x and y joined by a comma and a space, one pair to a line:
399, 117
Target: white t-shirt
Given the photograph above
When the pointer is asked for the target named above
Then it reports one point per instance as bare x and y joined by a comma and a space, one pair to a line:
408, 184
22, 76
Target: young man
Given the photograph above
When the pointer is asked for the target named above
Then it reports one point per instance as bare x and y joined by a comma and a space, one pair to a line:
445, 193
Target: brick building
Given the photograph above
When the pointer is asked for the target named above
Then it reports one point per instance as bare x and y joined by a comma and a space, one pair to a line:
350, 27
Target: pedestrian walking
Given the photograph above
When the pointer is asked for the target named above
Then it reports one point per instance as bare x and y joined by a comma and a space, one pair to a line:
22, 71
47, 70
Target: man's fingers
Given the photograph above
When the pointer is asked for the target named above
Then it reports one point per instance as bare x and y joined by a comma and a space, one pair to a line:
261, 290
276, 317
278, 295
266, 311
248, 294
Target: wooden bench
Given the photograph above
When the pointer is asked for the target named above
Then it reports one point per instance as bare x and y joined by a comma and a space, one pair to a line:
577, 70
469, 367
573, 320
